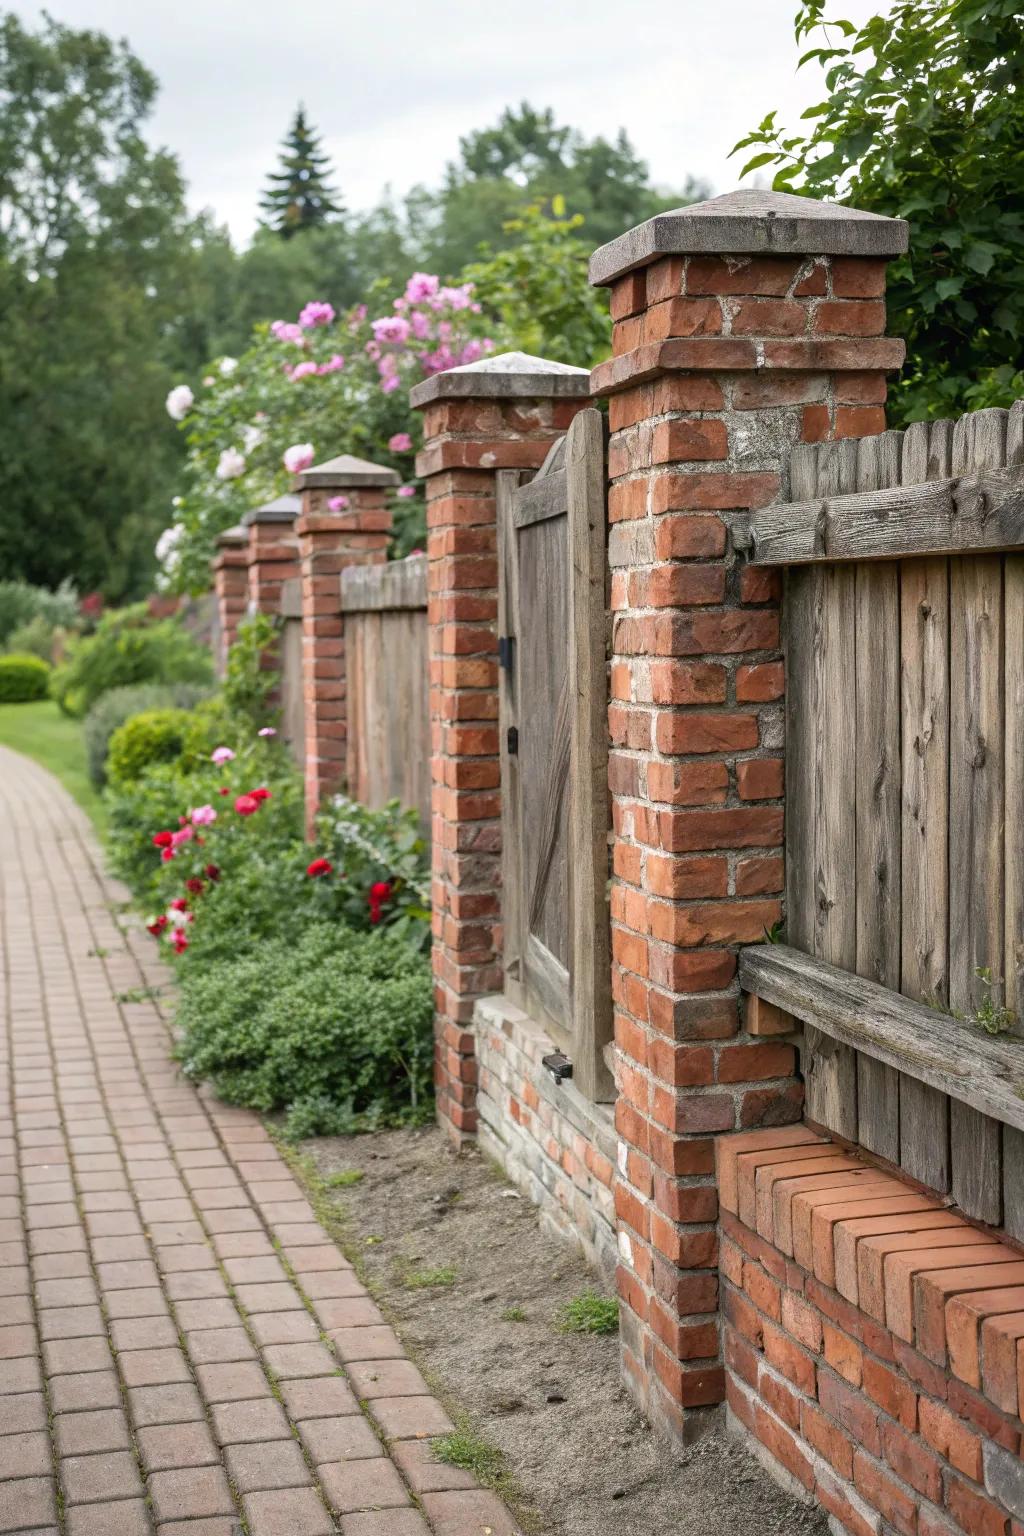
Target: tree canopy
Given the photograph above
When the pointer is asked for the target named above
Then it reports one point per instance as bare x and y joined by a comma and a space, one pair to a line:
924, 120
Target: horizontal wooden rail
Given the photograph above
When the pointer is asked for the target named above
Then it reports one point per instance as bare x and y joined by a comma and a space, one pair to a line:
980, 511
955, 1057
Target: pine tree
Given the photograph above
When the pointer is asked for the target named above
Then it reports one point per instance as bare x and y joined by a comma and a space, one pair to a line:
300, 195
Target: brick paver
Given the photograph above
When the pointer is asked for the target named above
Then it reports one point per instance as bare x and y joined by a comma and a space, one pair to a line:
182, 1347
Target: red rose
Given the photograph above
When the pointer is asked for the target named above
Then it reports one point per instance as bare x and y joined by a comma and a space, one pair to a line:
212, 872
179, 941
167, 855
195, 885
319, 867
246, 805
162, 840
260, 794
224, 790
380, 890
157, 926
179, 904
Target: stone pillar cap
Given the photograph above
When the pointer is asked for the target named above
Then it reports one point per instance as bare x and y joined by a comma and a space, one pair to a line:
769, 223
281, 510
345, 471
505, 376
236, 535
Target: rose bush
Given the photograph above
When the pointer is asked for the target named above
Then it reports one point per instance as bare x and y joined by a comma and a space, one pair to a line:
310, 389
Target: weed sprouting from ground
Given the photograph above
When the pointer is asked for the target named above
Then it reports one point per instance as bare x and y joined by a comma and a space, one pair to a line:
425, 1279
590, 1313
514, 1315
344, 1178
472, 1453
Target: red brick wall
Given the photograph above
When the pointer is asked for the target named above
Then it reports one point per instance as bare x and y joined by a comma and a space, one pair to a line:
875, 1357
273, 560
720, 363
230, 590
466, 441
328, 543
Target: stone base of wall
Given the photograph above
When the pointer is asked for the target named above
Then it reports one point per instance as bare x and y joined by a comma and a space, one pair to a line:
899, 1413
555, 1146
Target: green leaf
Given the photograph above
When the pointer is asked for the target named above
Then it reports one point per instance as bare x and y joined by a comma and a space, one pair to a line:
766, 158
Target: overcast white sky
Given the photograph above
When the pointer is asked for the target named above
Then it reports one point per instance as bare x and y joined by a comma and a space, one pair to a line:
391, 84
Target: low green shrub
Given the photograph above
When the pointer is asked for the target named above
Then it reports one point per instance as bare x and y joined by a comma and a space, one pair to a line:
128, 647
154, 736
120, 704
23, 679
21, 603
36, 637
339, 1020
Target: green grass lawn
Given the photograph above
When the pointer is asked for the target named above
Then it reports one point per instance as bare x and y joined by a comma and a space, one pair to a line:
55, 741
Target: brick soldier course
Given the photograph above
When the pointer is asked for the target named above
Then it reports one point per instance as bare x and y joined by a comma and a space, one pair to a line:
501, 413
181, 1344
357, 532
742, 325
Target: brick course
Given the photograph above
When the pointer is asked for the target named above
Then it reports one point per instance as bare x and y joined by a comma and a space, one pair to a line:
230, 590
895, 1399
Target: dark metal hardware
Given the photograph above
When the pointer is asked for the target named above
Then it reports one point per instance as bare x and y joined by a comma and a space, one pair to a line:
506, 652
558, 1065
512, 740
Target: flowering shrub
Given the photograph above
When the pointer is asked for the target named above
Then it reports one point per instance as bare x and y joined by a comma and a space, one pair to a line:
308, 389
127, 647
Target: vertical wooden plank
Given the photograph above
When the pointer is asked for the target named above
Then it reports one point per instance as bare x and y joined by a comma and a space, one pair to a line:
976, 811
1013, 766
514, 938
832, 1082
924, 708
878, 808
590, 944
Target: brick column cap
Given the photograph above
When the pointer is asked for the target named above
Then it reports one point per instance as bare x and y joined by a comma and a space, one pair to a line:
745, 221
283, 509
346, 472
505, 376
232, 538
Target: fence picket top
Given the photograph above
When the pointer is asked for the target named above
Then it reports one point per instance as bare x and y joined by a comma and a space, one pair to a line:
1015, 434
397, 584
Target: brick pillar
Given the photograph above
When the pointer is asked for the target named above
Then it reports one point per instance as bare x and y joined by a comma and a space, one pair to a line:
501, 413
742, 326
273, 552
356, 530
230, 590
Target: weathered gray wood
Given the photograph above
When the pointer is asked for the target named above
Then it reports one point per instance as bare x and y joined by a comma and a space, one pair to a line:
878, 809
982, 510
514, 939
291, 598
924, 1133
541, 499
293, 711
976, 811
1015, 434
1013, 1182
590, 950
395, 584
547, 981
949, 1054
387, 746
1013, 780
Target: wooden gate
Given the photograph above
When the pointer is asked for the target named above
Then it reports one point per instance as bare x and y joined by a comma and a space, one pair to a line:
905, 798
554, 758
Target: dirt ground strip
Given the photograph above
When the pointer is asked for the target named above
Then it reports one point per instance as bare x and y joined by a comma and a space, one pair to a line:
581, 1460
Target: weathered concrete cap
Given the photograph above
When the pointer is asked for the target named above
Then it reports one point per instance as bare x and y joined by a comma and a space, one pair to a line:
281, 510
236, 535
747, 220
345, 470
506, 376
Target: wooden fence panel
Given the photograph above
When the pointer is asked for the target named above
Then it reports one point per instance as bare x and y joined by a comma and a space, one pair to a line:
293, 714
387, 684
905, 773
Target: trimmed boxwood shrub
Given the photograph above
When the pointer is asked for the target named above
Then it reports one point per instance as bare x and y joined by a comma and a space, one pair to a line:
22, 679
120, 704
155, 736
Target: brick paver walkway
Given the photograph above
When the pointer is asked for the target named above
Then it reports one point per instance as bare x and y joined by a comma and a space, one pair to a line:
172, 1316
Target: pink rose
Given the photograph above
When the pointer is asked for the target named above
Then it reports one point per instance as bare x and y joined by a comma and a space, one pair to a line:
405, 491
316, 312
303, 370
401, 442
221, 755
204, 816
337, 504
298, 457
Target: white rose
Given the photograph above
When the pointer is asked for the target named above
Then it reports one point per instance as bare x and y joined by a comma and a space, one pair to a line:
228, 366
230, 465
179, 402
251, 438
